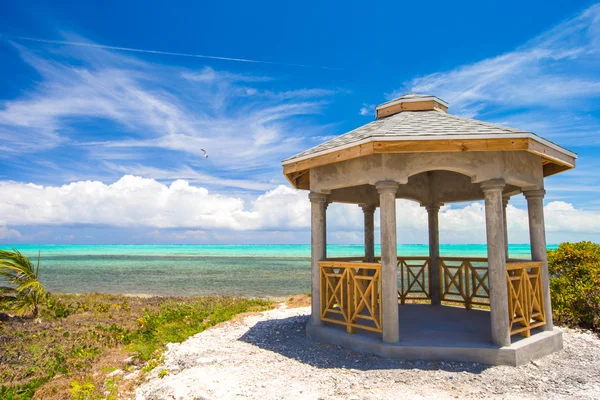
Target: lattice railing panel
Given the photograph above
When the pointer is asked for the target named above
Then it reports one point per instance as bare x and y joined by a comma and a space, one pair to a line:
351, 294
464, 280
414, 278
525, 298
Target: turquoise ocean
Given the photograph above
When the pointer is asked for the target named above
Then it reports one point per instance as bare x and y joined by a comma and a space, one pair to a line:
196, 270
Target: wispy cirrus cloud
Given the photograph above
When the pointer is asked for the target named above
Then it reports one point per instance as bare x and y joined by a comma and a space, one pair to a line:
110, 106
209, 75
557, 69
367, 109
189, 174
550, 85
83, 43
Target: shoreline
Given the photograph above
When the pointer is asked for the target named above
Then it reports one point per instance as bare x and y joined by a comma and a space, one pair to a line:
273, 298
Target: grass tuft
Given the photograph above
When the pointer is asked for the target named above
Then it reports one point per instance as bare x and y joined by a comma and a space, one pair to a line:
77, 340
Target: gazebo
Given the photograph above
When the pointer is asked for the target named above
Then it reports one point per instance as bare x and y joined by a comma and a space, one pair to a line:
493, 310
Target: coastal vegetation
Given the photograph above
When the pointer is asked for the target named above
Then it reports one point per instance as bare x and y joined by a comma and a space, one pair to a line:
575, 284
20, 289
97, 346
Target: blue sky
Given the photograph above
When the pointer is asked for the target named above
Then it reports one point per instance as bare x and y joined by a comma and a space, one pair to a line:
105, 107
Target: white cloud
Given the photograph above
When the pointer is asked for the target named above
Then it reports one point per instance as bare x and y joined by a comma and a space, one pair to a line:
135, 201
139, 202
554, 70
6, 233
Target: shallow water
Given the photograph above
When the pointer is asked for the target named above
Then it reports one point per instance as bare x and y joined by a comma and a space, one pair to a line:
236, 270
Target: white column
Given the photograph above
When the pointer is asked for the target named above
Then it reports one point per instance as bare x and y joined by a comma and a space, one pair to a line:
504, 205
318, 205
496, 249
369, 220
434, 252
389, 260
537, 235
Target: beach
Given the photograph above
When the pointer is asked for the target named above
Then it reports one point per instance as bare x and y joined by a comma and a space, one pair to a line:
273, 271
268, 356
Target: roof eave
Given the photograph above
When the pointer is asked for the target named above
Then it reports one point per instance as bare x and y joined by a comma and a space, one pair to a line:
528, 135
555, 158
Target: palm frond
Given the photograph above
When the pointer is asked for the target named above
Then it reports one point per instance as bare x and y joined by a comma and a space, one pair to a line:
30, 285
24, 291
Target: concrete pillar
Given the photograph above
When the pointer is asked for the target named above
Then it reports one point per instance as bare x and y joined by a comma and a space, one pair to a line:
389, 260
327, 203
496, 249
318, 205
537, 235
369, 218
434, 252
504, 205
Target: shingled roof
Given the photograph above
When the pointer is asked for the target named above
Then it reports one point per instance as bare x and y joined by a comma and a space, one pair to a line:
417, 123
413, 124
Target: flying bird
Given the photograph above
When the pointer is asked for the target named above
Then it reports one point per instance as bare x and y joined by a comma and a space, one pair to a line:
205, 153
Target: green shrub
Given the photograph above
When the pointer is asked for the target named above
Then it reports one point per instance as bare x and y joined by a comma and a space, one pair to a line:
575, 284
57, 309
162, 373
85, 390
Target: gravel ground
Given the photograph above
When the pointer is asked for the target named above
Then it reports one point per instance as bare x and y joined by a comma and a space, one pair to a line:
267, 356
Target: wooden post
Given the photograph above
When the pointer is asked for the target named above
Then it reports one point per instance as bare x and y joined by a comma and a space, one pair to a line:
389, 260
369, 226
318, 206
496, 249
434, 253
537, 236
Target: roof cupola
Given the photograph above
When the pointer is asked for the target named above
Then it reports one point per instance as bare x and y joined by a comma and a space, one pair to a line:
411, 102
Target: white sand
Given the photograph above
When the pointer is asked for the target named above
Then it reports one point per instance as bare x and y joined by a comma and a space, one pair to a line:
267, 356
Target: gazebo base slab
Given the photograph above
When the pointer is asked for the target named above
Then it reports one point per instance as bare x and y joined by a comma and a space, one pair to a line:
442, 333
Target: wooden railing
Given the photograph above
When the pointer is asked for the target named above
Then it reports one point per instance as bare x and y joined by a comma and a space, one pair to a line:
414, 278
351, 289
351, 294
525, 299
464, 280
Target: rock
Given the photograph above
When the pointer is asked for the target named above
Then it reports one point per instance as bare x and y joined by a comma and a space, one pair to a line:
132, 375
116, 372
129, 360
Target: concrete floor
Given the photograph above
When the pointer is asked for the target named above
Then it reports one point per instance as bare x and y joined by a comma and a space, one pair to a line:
442, 333
426, 325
